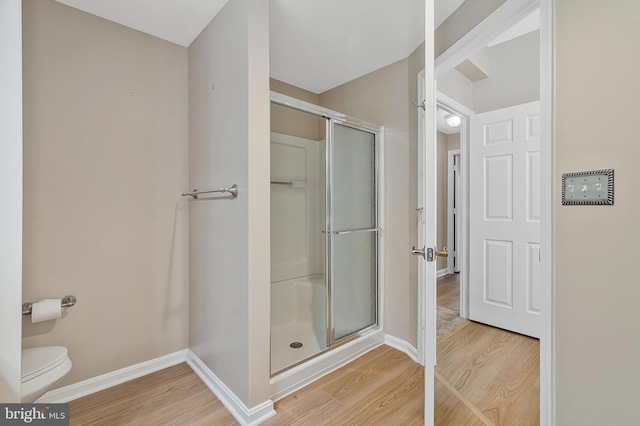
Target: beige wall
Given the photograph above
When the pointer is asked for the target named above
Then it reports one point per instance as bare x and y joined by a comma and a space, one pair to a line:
292, 122
458, 87
105, 162
596, 247
259, 167
382, 97
11, 196
453, 141
229, 238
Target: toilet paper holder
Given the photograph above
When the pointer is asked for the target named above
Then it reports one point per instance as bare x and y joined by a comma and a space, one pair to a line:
66, 302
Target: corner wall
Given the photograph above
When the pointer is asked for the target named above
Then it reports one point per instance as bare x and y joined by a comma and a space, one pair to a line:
596, 256
11, 196
105, 162
229, 238
295, 123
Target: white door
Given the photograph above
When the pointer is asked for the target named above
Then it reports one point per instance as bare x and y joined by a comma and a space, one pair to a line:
428, 158
426, 261
427, 217
504, 219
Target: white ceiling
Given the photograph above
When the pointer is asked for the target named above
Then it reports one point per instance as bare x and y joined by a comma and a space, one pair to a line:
318, 45
315, 44
177, 21
441, 121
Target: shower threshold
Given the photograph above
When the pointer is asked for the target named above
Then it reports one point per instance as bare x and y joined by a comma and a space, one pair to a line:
321, 364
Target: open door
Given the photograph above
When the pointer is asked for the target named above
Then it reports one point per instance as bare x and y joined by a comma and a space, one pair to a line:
504, 214
426, 252
428, 216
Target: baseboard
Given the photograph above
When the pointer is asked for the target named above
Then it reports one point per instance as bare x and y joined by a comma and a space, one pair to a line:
402, 346
243, 414
442, 272
105, 381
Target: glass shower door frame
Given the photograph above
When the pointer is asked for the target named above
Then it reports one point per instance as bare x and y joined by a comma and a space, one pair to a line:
331, 233
332, 118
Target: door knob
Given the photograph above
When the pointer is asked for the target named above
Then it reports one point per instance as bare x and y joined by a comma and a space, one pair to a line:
417, 252
427, 254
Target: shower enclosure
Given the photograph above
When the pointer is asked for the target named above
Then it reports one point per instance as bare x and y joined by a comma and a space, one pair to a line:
324, 230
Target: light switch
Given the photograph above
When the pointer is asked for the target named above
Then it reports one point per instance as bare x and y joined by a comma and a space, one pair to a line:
588, 188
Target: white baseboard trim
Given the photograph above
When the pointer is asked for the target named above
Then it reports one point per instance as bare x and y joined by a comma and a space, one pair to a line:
298, 377
243, 414
105, 381
442, 272
402, 346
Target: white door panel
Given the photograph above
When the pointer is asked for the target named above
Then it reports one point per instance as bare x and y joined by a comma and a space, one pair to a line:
504, 214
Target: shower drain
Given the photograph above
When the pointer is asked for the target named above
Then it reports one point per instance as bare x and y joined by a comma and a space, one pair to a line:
295, 345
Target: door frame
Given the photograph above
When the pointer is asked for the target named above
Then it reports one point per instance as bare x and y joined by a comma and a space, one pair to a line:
451, 105
331, 233
506, 15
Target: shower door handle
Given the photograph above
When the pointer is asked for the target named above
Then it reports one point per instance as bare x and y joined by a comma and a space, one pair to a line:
356, 231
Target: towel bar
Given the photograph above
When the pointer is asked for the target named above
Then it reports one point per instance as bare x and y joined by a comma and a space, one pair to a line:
233, 190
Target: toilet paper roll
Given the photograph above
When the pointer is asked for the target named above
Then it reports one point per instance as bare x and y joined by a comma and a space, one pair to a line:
46, 310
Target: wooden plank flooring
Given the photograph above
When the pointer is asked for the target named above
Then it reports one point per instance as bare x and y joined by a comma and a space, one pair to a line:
484, 376
448, 292
173, 396
382, 387
493, 372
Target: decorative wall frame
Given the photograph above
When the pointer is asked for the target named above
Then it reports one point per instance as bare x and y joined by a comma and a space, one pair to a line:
592, 188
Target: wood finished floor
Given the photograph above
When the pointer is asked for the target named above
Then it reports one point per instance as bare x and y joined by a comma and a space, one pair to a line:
484, 376
448, 292
173, 396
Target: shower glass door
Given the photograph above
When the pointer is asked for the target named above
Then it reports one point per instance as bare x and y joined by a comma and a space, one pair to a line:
353, 245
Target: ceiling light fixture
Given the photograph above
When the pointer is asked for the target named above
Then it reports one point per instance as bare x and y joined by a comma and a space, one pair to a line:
453, 120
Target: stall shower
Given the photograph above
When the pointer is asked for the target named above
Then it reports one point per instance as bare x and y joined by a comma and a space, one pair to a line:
325, 230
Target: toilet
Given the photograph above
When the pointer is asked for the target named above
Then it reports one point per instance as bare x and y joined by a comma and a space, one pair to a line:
42, 369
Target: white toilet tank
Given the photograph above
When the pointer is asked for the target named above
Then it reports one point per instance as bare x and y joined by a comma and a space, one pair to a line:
42, 369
